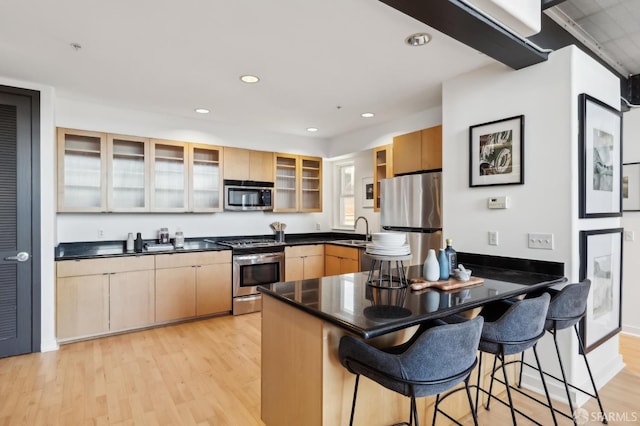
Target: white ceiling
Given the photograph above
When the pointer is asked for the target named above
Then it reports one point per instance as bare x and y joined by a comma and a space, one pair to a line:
613, 26
173, 56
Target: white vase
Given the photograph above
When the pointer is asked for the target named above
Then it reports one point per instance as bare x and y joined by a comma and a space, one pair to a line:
431, 269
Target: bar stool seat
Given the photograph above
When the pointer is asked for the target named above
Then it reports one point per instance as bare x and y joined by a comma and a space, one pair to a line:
432, 362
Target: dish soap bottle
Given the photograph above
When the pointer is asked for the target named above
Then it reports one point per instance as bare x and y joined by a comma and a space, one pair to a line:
443, 261
452, 256
431, 269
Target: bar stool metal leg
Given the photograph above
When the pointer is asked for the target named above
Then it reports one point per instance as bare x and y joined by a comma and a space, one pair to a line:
353, 403
593, 383
544, 385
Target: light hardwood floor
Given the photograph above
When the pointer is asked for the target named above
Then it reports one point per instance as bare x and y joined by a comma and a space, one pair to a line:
199, 373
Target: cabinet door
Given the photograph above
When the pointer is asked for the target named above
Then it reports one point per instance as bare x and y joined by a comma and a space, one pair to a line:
313, 267
175, 293
407, 153
236, 163
131, 299
169, 176
310, 184
294, 269
128, 173
331, 265
286, 183
213, 289
432, 148
82, 171
261, 166
205, 182
82, 305
348, 266
382, 169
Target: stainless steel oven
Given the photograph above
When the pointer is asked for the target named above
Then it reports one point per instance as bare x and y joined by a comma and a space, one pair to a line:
255, 262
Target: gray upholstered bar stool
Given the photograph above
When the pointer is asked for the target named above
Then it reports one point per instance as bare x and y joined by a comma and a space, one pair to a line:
566, 309
519, 328
431, 363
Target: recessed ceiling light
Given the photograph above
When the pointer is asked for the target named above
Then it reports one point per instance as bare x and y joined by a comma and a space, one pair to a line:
418, 39
249, 78
312, 129
367, 114
201, 110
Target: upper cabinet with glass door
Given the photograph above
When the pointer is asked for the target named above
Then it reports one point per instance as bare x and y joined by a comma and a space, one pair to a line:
286, 186
82, 171
169, 176
311, 184
205, 184
128, 173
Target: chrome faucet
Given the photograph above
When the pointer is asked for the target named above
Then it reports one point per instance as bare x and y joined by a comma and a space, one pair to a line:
366, 222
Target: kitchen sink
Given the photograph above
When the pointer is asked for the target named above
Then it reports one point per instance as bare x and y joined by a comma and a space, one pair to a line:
356, 243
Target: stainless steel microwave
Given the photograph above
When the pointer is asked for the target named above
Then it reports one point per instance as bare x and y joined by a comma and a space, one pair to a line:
248, 195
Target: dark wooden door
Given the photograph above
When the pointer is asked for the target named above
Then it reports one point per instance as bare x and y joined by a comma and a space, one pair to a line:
16, 278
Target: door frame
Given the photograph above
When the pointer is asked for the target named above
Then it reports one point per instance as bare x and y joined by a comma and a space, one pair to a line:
36, 223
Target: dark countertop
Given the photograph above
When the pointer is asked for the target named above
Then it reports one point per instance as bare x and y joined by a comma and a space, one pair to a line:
101, 249
347, 301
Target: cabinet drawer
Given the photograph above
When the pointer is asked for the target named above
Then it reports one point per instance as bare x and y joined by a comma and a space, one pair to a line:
341, 251
73, 268
179, 260
304, 251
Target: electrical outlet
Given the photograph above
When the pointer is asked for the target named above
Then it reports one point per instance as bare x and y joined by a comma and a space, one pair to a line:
493, 238
100, 233
540, 241
317, 226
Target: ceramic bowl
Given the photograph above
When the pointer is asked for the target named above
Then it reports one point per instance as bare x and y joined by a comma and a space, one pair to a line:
462, 275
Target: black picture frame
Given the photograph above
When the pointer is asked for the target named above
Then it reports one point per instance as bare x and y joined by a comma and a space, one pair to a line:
631, 187
601, 262
496, 152
599, 158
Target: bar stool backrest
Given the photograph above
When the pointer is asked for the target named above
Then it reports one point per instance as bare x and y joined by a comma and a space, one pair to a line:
568, 306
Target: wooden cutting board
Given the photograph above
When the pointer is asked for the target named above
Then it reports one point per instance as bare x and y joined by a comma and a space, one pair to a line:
450, 284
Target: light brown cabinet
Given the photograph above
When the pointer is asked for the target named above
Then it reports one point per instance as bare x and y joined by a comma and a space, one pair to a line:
169, 176
247, 164
341, 260
304, 262
191, 284
298, 183
382, 169
97, 296
417, 151
127, 173
82, 171
205, 178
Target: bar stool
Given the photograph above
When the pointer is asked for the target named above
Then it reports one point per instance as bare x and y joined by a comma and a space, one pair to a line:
566, 309
435, 361
519, 328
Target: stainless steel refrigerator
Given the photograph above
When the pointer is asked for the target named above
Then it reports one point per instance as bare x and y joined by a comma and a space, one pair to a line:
413, 204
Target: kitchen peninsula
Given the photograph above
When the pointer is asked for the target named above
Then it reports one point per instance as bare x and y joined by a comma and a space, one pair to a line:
303, 381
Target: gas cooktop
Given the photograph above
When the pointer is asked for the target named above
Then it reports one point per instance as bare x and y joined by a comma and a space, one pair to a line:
250, 243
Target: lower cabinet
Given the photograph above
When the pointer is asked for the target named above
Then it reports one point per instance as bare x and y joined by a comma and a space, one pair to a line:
97, 296
192, 284
341, 260
304, 262
101, 296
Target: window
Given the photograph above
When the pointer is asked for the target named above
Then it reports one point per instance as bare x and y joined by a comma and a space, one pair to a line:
346, 182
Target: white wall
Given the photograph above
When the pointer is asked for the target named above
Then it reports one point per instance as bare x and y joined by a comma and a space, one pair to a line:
547, 95
631, 222
47, 207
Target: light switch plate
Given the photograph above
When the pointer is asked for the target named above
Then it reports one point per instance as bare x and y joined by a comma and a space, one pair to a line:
493, 238
629, 235
540, 241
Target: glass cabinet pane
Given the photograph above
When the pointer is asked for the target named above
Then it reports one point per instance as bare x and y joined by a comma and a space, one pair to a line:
311, 198
169, 179
83, 185
286, 184
128, 175
206, 179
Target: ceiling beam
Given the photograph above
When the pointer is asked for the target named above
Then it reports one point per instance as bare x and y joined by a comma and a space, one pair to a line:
546, 4
468, 26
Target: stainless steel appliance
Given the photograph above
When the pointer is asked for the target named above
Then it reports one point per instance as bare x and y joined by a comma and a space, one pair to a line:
255, 262
248, 195
413, 204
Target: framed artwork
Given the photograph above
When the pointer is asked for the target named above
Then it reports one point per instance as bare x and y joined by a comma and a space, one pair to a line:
367, 192
600, 159
631, 187
601, 262
496, 152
